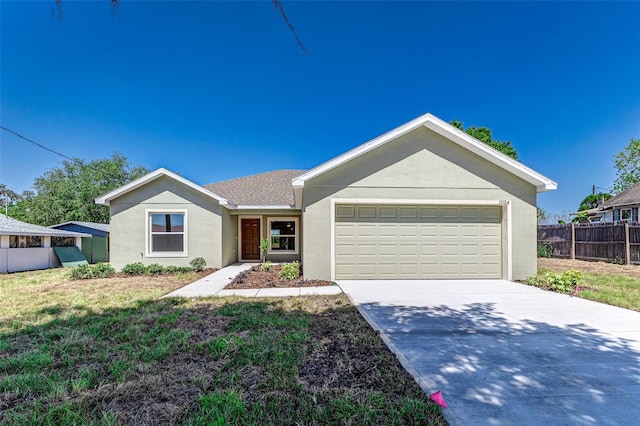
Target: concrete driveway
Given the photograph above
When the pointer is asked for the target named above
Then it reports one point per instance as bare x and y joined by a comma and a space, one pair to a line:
505, 353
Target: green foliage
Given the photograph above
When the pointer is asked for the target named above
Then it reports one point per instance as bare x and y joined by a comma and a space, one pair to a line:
545, 249
264, 247
289, 271
102, 270
627, 163
134, 269
541, 215
592, 201
80, 272
198, 264
483, 134
154, 269
67, 192
85, 272
566, 282
178, 269
266, 267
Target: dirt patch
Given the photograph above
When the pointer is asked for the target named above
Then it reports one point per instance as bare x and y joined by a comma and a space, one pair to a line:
256, 278
599, 268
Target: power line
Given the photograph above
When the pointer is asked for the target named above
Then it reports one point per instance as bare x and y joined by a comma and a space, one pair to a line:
36, 143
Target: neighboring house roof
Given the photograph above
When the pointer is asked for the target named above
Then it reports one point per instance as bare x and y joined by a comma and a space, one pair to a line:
450, 132
156, 174
628, 197
271, 189
11, 226
104, 227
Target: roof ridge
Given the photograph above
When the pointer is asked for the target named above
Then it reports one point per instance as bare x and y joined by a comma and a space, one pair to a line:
256, 174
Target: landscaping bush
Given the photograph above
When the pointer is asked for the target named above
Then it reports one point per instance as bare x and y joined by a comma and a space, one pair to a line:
198, 264
85, 272
102, 270
566, 282
155, 269
81, 272
289, 271
266, 266
545, 249
134, 269
178, 269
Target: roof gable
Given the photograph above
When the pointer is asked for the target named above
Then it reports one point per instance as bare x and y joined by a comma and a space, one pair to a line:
446, 130
107, 198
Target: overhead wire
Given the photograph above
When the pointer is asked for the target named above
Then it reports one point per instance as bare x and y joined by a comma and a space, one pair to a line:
37, 144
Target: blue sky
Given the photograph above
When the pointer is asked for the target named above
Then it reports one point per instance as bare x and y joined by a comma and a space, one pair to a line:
216, 90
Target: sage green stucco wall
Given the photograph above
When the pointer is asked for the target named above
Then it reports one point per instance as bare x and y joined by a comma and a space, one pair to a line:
420, 165
128, 223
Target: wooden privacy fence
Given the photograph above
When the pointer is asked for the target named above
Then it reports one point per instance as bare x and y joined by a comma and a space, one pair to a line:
617, 242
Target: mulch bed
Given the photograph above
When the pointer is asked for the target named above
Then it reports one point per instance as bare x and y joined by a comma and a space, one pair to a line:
255, 278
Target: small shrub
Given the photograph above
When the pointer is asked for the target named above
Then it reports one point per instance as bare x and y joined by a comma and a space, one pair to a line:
545, 249
535, 281
198, 264
565, 282
264, 246
155, 269
289, 271
81, 272
102, 270
178, 269
134, 269
266, 266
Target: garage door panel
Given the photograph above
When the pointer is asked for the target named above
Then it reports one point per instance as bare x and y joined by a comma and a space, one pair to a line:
418, 242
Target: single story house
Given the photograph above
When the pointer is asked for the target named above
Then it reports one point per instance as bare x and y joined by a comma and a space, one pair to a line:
96, 248
425, 200
27, 247
623, 206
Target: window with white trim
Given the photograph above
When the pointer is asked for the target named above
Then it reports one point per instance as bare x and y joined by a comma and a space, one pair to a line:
283, 235
625, 214
167, 233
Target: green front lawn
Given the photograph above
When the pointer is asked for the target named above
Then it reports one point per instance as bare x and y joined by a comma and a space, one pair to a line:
614, 290
107, 351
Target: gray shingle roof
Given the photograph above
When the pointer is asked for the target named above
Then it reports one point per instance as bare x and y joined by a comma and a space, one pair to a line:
629, 196
264, 189
93, 225
11, 226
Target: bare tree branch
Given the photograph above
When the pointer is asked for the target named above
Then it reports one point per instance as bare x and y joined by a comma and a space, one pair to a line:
277, 4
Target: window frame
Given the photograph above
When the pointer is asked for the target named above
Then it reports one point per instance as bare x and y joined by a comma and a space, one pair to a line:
149, 234
296, 235
626, 210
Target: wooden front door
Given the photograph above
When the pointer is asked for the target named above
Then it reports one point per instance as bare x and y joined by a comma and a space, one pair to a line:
250, 238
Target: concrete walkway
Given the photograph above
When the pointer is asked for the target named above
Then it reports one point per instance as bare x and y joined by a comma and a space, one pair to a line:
213, 284
504, 353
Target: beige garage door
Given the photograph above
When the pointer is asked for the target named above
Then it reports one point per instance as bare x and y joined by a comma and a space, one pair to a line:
411, 242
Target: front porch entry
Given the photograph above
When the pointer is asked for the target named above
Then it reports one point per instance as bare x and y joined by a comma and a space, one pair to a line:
249, 239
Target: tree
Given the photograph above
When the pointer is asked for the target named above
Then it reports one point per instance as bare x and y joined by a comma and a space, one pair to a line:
541, 215
592, 201
483, 134
627, 162
68, 192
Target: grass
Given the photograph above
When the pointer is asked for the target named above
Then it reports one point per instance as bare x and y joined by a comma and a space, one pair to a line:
612, 289
108, 352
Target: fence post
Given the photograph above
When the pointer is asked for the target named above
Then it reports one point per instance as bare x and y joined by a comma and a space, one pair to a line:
573, 241
627, 245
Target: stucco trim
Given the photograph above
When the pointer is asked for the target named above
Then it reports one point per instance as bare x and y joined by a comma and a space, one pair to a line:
507, 256
445, 129
150, 177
